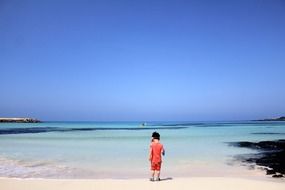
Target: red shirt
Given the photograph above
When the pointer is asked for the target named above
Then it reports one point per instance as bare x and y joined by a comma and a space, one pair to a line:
156, 151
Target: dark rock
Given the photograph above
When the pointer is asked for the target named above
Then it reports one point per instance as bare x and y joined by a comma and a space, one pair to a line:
273, 119
277, 175
19, 120
271, 155
270, 172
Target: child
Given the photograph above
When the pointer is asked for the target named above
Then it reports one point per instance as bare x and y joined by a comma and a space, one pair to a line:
155, 151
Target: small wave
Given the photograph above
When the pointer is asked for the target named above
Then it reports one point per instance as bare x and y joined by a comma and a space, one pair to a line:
32, 169
268, 133
7, 131
174, 124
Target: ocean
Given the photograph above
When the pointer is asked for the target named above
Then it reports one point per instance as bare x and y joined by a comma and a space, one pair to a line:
120, 149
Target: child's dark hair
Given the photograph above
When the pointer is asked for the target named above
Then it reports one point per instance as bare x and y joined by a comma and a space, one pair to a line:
156, 135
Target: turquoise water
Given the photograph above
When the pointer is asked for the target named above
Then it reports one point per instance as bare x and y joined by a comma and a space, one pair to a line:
120, 149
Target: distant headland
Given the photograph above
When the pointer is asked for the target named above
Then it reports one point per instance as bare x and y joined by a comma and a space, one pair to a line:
18, 120
273, 119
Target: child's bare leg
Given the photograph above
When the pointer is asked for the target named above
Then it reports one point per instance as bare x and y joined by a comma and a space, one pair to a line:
158, 174
152, 173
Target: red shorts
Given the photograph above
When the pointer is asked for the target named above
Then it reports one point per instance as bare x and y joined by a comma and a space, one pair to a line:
155, 166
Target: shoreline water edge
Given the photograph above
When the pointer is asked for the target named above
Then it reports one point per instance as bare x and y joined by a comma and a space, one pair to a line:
80, 150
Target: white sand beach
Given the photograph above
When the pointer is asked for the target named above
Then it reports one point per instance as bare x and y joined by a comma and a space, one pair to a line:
199, 183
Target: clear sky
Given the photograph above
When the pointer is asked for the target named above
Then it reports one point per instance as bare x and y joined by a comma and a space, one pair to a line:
142, 60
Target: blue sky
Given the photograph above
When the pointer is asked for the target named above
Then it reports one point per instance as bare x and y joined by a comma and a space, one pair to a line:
142, 60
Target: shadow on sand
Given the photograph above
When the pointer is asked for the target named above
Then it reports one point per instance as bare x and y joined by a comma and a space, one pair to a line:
166, 179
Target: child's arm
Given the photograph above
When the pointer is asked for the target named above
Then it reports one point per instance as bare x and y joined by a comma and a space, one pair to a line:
150, 153
163, 151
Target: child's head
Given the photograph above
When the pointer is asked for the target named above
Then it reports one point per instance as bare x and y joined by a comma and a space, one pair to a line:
156, 135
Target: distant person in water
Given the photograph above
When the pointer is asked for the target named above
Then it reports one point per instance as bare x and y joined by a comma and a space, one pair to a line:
155, 152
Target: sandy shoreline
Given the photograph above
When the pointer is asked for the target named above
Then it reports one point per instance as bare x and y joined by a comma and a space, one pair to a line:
201, 183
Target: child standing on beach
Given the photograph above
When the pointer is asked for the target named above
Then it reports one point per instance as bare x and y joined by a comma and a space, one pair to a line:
155, 152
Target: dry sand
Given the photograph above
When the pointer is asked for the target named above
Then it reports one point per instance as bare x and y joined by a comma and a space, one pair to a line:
193, 183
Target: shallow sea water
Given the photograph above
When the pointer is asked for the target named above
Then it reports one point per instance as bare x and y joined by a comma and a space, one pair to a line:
120, 149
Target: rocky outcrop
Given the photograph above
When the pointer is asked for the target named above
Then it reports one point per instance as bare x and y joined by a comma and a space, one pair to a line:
270, 155
19, 120
273, 119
